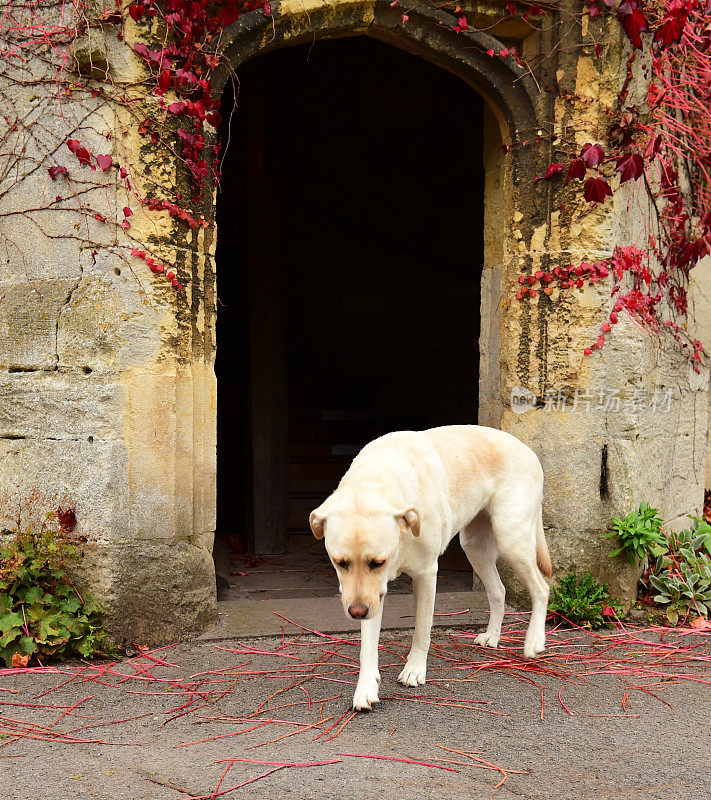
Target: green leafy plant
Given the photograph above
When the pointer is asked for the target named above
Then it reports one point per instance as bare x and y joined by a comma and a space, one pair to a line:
638, 534
681, 573
585, 601
42, 614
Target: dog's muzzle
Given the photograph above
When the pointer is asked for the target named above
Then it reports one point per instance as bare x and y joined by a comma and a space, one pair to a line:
358, 610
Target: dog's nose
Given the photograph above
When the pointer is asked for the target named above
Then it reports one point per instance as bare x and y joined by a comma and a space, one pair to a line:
358, 610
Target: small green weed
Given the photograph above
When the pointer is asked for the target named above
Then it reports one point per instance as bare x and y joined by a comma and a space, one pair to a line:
585, 601
41, 611
638, 534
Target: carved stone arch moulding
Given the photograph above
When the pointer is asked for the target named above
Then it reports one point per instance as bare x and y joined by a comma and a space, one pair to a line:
515, 114
511, 91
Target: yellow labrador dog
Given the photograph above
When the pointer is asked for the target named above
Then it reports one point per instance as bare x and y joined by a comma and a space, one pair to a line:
403, 499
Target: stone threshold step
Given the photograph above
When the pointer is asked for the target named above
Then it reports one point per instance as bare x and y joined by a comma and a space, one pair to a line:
242, 619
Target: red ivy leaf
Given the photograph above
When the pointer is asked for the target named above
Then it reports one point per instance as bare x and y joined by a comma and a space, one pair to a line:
54, 171
67, 519
184, 77
136, 11
164, 82
653, 147
673, 28
633, 21
577, 169
630, 166
105, 162
670, 32
127, 212
596, 190
80, 152
592, 154
553, 169
198, 168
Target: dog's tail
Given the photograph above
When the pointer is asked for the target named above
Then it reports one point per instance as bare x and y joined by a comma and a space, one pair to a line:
543, 558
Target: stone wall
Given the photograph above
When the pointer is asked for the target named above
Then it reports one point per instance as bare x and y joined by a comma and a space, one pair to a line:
108, 393
700, 302
599, 461
108, 388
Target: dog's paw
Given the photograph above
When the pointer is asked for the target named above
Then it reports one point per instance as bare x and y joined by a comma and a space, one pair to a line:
534, 645
487, 639
366, 693
413, 673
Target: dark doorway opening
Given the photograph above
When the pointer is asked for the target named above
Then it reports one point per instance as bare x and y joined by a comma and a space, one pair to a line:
350, 248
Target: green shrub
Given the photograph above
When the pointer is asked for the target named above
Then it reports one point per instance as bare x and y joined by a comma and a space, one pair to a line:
585, 602
639, 534
681, 573
41, 611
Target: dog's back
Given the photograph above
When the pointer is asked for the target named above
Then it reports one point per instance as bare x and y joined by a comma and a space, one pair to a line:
480, 460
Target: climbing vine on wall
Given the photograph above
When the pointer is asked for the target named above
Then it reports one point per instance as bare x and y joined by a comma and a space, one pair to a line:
660, 145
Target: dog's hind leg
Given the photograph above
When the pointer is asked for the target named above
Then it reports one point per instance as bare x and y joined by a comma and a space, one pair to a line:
425, 588
535, 641
478, 542
515, 529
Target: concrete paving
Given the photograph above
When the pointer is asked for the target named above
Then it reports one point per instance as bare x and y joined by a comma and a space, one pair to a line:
140, 744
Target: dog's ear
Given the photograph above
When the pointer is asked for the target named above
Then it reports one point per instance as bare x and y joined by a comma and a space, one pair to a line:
317, 521
409, 519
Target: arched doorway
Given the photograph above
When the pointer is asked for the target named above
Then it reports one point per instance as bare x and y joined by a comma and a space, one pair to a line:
350, 250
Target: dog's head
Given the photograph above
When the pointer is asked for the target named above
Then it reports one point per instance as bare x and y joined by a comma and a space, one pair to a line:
363, 542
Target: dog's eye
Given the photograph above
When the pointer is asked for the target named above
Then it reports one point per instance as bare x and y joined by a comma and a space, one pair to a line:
376, 563
343, 563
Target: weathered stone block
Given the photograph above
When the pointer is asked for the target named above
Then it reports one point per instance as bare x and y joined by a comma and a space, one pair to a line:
37, 475
29, 315
62, 406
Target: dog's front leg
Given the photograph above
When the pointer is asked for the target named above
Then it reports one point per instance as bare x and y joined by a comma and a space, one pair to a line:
366, 692
425, 588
